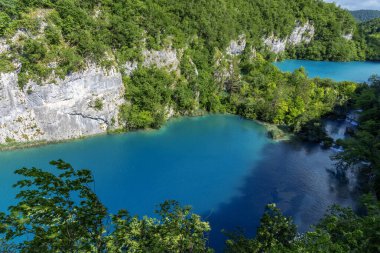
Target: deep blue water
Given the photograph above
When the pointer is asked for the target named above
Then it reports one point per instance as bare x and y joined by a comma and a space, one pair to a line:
224, 166
338, 71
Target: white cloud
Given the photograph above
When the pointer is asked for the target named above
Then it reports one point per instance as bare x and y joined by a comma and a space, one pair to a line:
357, 4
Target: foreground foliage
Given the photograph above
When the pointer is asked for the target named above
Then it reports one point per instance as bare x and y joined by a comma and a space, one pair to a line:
341, 230
59, 212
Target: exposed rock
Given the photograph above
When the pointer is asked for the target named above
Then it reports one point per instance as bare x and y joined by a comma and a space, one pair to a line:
275, 44
60, 111
237, 47
301, 34
17, 122
170, 112
166, 58
348, 36
4, 47
129, 67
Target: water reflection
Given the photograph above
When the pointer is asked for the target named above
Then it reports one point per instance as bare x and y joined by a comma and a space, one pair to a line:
292, 175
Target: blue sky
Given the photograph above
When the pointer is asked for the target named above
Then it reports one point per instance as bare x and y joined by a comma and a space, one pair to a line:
357, 4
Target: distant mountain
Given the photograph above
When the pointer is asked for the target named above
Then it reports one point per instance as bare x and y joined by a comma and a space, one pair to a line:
365, 15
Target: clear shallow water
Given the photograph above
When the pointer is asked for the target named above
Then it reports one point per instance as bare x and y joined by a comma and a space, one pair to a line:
338, 71
223, 166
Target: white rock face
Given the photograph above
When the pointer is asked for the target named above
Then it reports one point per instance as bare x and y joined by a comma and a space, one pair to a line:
4, 47
166, 58
64, 110
301, 34
237, 47
130, 66
348, 36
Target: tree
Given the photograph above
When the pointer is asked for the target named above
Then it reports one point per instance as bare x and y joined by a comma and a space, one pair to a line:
276, 233
176, 230
58, 212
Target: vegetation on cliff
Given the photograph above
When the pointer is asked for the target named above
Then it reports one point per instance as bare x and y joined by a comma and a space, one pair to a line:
258, 91
51, 39
60, 36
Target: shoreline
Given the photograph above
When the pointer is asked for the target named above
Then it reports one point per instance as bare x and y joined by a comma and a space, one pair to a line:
34, 144
284, 136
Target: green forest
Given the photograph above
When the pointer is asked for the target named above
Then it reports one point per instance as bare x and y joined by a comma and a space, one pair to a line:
371, 32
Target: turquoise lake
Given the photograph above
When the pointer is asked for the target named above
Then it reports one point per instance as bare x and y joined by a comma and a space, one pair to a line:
338, 71
223, 166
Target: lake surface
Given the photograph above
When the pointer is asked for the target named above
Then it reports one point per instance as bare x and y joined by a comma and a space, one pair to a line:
338, 71
224, 166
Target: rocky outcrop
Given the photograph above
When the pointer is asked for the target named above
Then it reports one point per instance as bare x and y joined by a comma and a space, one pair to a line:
302, 33
348, 36
237, 47
167, 58
82, 104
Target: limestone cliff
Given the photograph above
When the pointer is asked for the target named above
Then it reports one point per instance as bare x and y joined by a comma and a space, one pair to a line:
167, 58
82, 104
302, 33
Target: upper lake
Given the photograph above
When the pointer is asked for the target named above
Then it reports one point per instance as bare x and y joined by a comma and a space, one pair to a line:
223, 166
338, 71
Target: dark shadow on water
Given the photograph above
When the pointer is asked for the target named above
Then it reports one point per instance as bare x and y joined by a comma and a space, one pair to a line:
292, 175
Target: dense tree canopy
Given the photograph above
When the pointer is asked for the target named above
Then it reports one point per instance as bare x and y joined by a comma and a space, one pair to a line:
68, 33
371, 32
